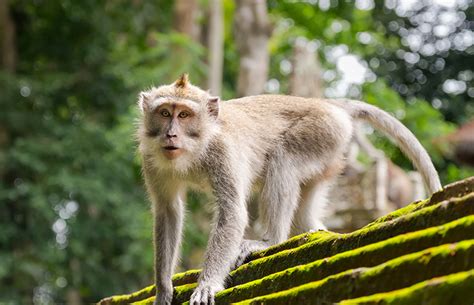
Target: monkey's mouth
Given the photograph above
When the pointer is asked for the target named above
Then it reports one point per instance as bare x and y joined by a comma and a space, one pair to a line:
170, 148
172, 152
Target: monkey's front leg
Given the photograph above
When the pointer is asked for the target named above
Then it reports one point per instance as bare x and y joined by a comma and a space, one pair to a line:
223, 246
168, 222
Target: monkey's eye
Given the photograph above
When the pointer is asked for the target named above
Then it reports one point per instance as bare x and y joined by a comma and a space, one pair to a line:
183, 114
165, 113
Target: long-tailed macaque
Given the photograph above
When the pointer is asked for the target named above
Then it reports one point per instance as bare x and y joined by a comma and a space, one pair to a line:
287, 149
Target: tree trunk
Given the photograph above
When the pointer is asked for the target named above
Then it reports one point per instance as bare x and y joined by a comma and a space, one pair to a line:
215, 46
186, 13
252, 31
185, 21
305, 79
73, 297
7, 38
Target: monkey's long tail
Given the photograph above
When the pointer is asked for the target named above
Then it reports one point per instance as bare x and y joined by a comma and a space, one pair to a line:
402, 136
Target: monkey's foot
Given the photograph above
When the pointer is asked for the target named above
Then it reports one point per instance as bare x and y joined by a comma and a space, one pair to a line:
247, 247
204, 294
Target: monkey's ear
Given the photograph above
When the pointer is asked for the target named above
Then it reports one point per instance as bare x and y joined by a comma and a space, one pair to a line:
144, 99
182, 81
213, 106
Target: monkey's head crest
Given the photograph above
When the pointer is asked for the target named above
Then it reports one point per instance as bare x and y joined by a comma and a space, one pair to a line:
182, 81
181, 88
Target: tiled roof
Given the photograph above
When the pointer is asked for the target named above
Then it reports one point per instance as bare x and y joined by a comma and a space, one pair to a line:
420, 254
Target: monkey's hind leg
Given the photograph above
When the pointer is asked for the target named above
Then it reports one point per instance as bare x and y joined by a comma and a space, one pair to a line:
279, 197
278, 202
311, 207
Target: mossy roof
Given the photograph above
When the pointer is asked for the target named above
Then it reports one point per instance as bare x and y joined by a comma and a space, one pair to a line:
420, 254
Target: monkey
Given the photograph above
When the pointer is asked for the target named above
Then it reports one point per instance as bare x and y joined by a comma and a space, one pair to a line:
287, 149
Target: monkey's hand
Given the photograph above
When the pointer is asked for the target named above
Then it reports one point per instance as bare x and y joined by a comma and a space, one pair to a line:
247, 247
204, 294
164, 297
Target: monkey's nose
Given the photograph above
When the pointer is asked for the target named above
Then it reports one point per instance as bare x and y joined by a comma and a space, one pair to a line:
171, 135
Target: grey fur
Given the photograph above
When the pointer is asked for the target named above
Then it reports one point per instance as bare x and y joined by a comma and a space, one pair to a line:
168, 214
287, 149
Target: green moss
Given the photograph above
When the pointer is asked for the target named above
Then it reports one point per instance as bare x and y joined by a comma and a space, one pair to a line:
366, 256
423, 218
455, 288
394, 274
294, 242
187, 277
183, 293
412, 207
330, 244
454, 190
148, 301
182, 278
370, 255
129, 298
324, 258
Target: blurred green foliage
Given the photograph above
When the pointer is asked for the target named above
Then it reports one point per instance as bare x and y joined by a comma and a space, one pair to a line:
74, 217
414, 48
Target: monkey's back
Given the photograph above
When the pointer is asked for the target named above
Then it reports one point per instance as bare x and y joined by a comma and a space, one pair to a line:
273, 115
300, 126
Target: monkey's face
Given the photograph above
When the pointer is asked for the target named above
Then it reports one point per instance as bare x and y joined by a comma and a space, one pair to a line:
177, 123
176, 130
173, 126
177, 127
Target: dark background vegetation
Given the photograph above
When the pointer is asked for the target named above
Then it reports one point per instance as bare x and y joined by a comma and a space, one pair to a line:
74, 221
